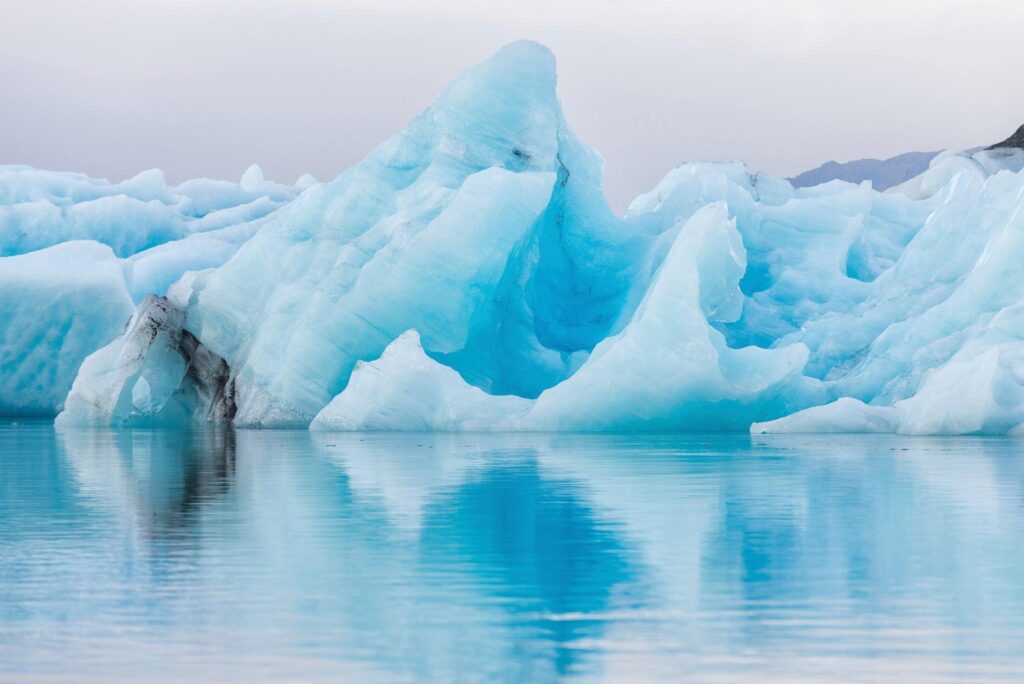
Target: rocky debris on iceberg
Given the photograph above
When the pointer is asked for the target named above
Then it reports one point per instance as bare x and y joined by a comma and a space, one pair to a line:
469, 275
155, 373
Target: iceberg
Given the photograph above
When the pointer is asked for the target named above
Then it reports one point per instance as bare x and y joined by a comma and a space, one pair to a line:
482, 227
468, 274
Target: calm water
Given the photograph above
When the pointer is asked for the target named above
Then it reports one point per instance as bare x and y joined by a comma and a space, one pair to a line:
284, 556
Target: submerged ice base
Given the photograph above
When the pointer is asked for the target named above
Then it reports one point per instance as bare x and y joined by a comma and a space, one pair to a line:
469, 275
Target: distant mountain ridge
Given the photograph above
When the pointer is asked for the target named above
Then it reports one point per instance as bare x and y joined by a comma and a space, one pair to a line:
886, 173
883, 173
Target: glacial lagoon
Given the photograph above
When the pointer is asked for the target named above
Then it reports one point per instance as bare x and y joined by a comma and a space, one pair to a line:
290, 556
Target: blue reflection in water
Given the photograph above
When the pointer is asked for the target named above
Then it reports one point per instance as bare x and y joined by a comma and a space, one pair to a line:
147, 555
532, 543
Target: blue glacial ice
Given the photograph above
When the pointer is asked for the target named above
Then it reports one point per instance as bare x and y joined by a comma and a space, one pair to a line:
57, 306
42, 208
469, 275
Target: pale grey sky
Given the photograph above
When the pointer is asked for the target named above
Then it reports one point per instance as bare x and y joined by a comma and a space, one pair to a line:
205, 87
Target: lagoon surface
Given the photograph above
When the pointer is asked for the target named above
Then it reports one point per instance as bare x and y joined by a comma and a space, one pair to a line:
289, 556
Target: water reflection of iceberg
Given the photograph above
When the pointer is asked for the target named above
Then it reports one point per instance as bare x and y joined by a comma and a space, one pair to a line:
345, 548
159, 478
531, 557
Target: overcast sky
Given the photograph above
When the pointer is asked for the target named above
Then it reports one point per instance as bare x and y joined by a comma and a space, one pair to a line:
205, 87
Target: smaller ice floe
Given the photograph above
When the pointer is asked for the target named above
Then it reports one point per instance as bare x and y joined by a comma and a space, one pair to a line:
980, 391
843, 415
407, 390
